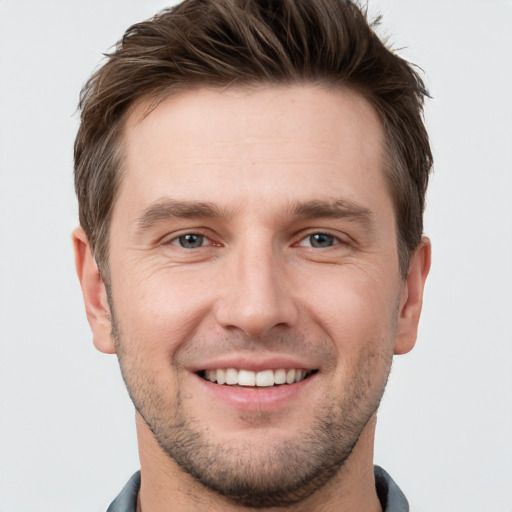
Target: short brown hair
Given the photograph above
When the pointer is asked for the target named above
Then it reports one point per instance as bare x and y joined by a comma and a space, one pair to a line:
218, 43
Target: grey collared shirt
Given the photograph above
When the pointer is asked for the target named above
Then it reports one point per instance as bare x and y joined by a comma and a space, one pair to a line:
391, 497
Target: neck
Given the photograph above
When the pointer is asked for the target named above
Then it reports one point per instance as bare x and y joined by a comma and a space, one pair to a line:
164, 482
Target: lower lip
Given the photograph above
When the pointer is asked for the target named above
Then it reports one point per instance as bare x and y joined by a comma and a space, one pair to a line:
254, 398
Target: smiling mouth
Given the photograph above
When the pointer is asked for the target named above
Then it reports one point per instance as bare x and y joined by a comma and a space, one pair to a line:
248, 378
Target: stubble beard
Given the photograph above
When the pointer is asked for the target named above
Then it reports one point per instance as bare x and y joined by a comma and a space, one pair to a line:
250, 475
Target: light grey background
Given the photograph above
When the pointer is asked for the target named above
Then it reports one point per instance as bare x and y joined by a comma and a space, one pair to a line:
67, 437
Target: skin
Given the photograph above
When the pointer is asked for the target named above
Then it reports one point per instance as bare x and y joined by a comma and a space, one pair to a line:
276, 166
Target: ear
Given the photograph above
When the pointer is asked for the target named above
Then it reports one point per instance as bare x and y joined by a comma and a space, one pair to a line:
94, 292
412, 298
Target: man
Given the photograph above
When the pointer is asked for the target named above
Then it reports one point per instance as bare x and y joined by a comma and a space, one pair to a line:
251, 179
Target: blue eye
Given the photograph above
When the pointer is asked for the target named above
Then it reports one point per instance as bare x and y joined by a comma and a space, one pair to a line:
191, 241
321, 240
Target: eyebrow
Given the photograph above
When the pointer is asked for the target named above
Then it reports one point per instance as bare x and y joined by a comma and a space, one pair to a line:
333, 209
168, 208
173, 209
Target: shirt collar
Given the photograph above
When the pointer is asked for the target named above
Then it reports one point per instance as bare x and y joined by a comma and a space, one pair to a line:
390, 495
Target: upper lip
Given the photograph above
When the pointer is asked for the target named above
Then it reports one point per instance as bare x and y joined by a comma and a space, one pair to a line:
253, 363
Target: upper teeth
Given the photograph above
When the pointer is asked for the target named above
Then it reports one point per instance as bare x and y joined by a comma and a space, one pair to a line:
264, 378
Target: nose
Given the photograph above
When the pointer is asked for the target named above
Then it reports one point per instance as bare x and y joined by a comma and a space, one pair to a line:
256, 297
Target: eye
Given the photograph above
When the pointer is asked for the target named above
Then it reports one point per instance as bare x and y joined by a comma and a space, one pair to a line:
319, 240
190, 241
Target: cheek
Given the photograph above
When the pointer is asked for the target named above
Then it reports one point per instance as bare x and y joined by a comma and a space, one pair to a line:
357, 311
160, 310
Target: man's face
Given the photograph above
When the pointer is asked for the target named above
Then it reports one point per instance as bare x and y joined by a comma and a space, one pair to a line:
253, 240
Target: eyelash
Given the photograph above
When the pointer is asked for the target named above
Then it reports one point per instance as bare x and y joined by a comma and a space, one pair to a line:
335, 240
176, 240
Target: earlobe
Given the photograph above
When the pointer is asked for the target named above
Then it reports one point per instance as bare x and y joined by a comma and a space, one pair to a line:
412, 298
94, 293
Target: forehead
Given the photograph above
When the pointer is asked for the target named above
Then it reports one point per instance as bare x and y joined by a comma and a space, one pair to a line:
289, 140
